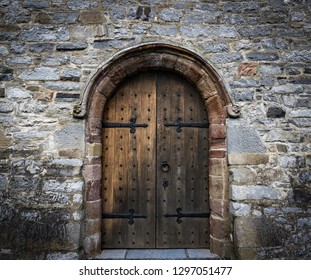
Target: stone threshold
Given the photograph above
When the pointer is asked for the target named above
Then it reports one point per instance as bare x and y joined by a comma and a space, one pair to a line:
156, 254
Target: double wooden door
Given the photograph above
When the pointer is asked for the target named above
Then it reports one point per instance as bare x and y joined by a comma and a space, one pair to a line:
155, 165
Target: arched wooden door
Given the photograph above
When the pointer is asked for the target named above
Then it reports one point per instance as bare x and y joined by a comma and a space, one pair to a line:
155, 165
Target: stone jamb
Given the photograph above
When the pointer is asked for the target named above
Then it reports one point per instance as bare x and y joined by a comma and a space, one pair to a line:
218, 105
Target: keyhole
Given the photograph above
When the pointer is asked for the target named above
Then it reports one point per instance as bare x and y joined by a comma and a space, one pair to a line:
164, 184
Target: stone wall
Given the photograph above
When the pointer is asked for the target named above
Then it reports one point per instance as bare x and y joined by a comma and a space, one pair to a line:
49, 50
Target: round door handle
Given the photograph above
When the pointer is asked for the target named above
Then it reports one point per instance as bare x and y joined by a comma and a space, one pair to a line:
165, 166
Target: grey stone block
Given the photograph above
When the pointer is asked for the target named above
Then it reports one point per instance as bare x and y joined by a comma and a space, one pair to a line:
156, 254
15, 61
17, 93
257, 56
6, 107
6, 74
67, 86
161, 30
244, 83
36, 4
275, 112
292, 162
244, 96
70, 74
170, 14
257, 192
114, 254
118, 13
115, 44
257, 31
242, 176
65, 17
214, 47
272, 44
240, 209
3, 183
201, 254
3, 51
305, 177
287, 89
67, 186
39, 34
40, 73
24, 183
7, 212
9, 33
244, 140
280, 135
270, 70
194, 31
300, 113
227, 58
44, 47
298, 56
70, 137
77, 46
62, 256
232, 7
67, 97
78, 4
18, 48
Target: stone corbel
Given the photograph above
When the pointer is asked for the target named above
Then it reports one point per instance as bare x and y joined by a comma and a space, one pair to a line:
234, 111
79, 111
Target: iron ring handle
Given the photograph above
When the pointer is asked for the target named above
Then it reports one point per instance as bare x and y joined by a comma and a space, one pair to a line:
165, 166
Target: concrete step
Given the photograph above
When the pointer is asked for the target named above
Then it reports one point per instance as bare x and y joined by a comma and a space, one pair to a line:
156, 254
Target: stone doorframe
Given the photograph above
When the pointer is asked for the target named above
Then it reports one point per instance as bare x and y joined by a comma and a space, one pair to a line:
194, 68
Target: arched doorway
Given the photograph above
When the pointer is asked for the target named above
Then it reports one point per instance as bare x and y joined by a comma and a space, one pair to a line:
155, 164
217, 104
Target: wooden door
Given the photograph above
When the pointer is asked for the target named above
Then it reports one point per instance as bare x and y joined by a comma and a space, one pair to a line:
155, 165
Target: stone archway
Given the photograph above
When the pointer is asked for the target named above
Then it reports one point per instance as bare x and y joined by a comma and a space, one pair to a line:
196, 70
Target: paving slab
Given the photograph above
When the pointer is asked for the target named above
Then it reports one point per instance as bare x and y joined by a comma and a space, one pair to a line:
113, 254
201, 254
156, 254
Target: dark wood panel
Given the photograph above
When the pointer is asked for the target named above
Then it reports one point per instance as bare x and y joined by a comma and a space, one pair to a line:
129, 164
186, 152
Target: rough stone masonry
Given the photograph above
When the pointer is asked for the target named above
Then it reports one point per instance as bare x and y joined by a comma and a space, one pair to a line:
49, 50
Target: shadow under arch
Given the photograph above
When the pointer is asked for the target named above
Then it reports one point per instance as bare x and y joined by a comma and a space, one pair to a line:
194, 68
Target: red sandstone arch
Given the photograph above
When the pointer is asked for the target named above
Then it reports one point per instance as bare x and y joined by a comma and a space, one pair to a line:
217, 102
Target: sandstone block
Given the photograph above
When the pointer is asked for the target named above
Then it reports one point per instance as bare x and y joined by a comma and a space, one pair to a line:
248, 69
92, 16
93, 210
94, 150
248, 159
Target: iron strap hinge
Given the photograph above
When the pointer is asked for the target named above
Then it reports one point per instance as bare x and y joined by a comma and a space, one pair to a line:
180, 124
132, 125
130, 216
180, 215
